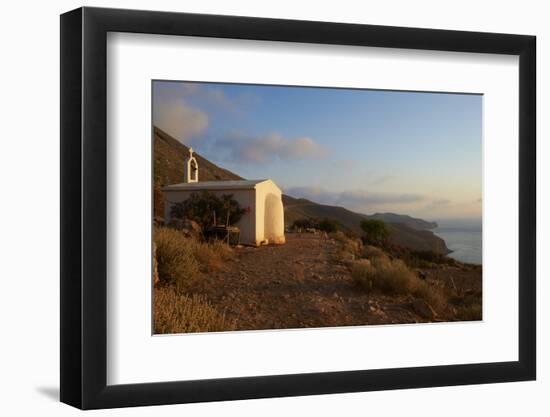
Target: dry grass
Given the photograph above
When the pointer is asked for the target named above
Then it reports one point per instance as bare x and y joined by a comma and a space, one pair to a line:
349, 248
177, 264
469, 312
372, 252
176, 313
390, 277
432, 295
211, 256
393, 277
181, 259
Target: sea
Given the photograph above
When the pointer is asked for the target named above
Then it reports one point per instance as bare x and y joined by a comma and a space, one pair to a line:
464, 238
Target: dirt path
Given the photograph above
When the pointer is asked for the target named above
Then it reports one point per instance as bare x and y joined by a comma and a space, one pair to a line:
297, 285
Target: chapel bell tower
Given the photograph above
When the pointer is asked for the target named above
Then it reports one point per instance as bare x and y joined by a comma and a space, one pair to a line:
191, 172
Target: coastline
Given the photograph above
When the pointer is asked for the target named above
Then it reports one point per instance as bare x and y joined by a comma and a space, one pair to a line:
464, 243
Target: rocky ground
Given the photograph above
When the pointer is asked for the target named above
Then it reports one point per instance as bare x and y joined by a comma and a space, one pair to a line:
301, 284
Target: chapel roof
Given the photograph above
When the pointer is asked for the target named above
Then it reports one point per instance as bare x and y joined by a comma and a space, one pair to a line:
215, 185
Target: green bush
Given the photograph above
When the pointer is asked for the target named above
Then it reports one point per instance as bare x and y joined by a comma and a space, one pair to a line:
205, 208
306, 223
328, 225
376, 231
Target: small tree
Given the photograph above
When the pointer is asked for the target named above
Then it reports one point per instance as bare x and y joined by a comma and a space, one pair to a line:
200, 207
305, 223
376, 231
328, 225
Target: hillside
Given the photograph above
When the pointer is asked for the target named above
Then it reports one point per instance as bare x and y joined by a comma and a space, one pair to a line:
402, 234
168, 166
169, 155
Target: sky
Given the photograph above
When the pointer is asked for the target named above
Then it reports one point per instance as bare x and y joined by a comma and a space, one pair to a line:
370, 151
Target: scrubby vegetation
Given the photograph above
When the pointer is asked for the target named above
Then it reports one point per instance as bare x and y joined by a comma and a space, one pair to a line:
181, 263
207, 209
348, 249
417, 258
393, 277
176, 261
328, 225
375, 231
398, 273
178, 313
372, 252
324, 225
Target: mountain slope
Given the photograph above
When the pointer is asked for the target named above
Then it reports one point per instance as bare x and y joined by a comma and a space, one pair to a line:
169, 157
401, 234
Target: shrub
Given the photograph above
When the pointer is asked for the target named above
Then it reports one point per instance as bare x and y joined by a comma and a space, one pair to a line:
393, 277
304, 223
328, 225
180, 259
211, 256
376, 231
372, 252
325, 225
432, 295
349, 248
176, 313
176, 261
206, 208
390, 277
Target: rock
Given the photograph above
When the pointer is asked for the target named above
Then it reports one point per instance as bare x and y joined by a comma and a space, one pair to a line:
423, 309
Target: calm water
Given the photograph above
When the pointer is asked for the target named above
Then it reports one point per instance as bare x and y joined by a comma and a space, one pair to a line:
463, 239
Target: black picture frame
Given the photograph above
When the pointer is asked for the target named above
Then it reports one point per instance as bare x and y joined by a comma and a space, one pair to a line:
84, 207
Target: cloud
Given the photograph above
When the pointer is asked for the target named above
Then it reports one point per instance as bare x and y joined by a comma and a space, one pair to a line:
261, 149
204, 94
382, 179
353, 198
437, 204
346, 164
179, 119
441, 202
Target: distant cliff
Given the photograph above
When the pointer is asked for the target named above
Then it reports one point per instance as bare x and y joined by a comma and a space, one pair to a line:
412, 222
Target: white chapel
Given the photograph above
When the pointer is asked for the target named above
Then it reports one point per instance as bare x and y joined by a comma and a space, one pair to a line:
263, 221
